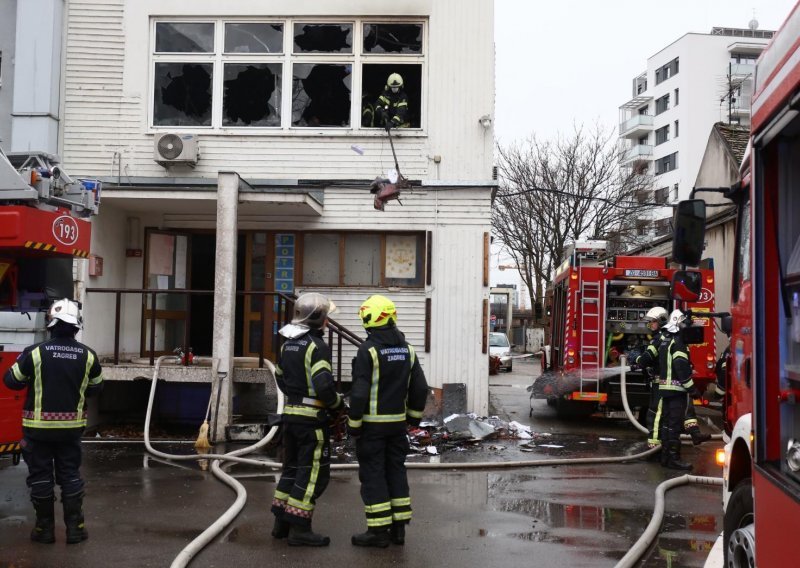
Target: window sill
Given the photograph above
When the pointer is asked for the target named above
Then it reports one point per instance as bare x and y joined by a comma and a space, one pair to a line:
293, 132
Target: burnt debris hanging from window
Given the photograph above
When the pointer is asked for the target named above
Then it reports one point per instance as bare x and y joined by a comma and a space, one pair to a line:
243, 37
323, 38
251, 94
321, 95
373, 81
182, 94
184, 37
393, 38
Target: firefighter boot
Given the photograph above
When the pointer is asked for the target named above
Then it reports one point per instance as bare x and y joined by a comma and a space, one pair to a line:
397, 533
44, 531
697, 436
375, 536
73, 518
281, 527
304, 536
673, 457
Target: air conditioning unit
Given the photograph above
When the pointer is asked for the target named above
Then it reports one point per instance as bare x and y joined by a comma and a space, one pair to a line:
173, 149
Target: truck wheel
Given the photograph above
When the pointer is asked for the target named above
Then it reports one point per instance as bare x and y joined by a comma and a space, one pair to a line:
738, 515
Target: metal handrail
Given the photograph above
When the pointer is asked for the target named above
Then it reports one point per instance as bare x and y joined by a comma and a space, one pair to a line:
286, 302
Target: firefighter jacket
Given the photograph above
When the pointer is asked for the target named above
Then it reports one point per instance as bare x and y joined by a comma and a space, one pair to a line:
395, 108
389, 388
649, 358
675, 370
304, 375
60, 374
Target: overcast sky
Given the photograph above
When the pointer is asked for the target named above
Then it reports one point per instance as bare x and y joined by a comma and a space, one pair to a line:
565, 62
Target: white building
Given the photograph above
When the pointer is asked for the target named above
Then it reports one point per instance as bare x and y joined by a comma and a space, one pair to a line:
691, 84
275, 196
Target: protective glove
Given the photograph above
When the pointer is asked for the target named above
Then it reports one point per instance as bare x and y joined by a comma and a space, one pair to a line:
694, 393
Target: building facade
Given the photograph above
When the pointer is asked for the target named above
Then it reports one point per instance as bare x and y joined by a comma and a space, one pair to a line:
693, 83
237, 143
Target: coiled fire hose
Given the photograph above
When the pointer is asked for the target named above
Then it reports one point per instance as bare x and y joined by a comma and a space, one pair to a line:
194, 547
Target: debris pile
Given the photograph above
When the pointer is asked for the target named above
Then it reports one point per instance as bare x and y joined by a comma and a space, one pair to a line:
460, 432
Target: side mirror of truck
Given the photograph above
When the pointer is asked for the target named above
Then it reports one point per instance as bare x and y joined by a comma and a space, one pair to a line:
690, 231
686, 285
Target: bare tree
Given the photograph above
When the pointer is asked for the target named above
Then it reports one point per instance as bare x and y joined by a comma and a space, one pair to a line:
567, 189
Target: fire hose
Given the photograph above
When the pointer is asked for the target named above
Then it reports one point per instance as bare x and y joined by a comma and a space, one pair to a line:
201, 541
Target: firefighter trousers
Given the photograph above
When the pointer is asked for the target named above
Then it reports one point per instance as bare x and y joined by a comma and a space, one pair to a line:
653, 433
306, 472
44, 458
382, 472
672, 410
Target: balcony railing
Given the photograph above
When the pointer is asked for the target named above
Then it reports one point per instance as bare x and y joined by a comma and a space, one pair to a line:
636, 123
337, 333
637, 152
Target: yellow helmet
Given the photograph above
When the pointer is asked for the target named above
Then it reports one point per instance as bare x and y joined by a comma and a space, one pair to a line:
394, 80
376, 311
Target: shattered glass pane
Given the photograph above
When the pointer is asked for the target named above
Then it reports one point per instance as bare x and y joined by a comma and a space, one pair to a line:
253, 38
182, 94
251, 94
323, 38
393, 38
321, 94
184, 37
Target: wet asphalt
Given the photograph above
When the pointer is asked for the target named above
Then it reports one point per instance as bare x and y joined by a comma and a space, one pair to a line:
141, 512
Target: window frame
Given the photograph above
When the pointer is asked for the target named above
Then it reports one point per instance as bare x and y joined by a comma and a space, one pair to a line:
287, 58
342, 237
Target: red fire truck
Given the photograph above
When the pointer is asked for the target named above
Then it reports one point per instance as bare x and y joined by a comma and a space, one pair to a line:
597, 311
761, 476
43, 226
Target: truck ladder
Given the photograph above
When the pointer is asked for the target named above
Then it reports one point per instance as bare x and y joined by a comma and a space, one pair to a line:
589, 349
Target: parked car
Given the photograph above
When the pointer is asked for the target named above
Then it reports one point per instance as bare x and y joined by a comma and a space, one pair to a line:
500, 347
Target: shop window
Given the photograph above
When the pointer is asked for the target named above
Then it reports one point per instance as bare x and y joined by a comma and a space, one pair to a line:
362, 260
321, 259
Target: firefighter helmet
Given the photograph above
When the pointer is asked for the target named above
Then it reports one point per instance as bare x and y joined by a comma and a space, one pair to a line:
394, 80
376, 311
312, 309
676, 318
658, 314
67, 311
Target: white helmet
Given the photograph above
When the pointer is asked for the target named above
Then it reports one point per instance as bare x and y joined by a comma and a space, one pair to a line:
67, 311
676, 318
658, 314
312, 309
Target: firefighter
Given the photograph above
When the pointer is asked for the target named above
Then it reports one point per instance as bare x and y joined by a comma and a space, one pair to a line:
60, 373
674, 382
388, 395
391, 108
304, 376
656, 317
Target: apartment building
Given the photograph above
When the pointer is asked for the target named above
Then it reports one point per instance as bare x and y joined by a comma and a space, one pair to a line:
691, 84
236, 158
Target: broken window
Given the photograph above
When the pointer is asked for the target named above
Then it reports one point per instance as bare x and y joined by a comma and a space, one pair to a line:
243, 37
184, 37
393, 38
251, 94
321, 94
182, 94
323, 38
373, 82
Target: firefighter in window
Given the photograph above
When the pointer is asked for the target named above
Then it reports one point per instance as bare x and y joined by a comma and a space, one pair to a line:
59, 374
391, 108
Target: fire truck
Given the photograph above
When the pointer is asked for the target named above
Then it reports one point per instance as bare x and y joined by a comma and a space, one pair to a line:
597, 309
43, 226
761, 472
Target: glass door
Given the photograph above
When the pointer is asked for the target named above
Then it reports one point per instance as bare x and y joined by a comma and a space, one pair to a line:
166, 270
